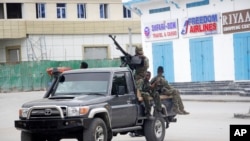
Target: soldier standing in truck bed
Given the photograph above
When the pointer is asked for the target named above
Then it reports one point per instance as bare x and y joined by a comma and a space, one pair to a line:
141, 70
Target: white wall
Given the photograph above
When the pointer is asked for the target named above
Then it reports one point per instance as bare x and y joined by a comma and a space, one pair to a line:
70, 47
222, 43
223, 57
66, 47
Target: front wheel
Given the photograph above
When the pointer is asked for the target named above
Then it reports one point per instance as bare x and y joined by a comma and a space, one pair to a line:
97, 131
154, 130
25, 136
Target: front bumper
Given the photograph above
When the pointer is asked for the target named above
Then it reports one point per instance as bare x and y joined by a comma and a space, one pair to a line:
51, 125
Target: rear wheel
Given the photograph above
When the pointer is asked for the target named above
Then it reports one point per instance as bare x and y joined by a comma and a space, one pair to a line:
154, 130
97, 131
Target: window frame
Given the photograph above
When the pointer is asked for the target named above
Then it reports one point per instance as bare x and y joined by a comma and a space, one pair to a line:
106, 46
61, 10
14, 10
126, 13
81, 11
40, 10
10, 48
122, 76
103, 7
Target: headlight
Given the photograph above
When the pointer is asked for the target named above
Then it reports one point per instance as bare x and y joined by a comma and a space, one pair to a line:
77, 111
23, 112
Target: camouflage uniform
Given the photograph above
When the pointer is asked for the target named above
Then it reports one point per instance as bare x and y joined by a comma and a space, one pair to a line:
143, 86
165, 89
141, 71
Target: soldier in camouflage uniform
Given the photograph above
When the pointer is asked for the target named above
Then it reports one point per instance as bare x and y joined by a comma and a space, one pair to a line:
165, 89
147, 90
140, 71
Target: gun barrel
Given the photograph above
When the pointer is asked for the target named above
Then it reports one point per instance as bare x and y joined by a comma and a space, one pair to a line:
118, 46
127, 59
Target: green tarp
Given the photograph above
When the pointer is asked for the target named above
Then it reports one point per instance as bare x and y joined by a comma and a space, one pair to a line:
32, 76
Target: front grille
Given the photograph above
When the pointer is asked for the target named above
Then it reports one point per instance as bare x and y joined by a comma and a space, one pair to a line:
47, 112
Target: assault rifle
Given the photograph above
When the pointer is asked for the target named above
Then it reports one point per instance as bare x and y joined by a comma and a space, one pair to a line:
127, 59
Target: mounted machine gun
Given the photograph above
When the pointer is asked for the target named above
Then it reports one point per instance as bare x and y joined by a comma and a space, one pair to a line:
127, 59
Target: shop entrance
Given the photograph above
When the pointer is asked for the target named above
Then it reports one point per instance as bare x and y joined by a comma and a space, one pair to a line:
201, 59
242, 56
163, 56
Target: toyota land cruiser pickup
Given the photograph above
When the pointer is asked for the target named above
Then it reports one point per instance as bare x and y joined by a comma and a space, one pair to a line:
92, 104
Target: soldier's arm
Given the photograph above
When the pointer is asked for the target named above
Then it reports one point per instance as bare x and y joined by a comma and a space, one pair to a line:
153, 80
166, 85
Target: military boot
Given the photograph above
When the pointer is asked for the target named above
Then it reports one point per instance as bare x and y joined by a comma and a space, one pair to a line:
177, 111
184, 112
176, 108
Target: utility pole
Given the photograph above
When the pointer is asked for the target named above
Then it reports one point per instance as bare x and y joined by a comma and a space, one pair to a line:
130, 40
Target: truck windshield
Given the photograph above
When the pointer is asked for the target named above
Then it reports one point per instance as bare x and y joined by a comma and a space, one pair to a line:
83, 83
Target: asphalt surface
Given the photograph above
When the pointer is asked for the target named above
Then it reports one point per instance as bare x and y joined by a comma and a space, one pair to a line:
204, 98
216, 98
211, 114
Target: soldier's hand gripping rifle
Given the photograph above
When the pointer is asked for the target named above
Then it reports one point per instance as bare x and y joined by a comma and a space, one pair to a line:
127, 59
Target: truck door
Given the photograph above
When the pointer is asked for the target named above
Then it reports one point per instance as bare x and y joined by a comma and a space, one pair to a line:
124, 110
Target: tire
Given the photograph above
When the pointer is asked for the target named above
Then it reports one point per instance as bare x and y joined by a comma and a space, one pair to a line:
97, 131
25, 136
53, 139
154, 130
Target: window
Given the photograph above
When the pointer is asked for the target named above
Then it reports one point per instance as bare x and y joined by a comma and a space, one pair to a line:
103, 11
61, 10
81, 11
119, 84
126, 12
1, 11
99, 52
159, 10
14, 10
84, 83
130, 82
198, 3
13, 54
40, 10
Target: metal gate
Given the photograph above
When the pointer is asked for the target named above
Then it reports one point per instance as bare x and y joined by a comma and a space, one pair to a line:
163, 56
201, 59
242, 56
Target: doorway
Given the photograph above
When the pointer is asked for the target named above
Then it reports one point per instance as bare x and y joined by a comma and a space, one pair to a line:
202, 59
242, 56
163, 56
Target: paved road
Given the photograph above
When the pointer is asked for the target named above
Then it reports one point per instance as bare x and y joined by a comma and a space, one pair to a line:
208, 121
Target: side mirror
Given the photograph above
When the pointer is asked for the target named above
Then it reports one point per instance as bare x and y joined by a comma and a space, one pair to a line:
62, 79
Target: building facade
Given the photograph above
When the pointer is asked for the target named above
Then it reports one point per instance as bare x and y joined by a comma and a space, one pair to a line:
196, 40
33, 30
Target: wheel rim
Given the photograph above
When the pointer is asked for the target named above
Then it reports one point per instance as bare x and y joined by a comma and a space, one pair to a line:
158, 128
99, 134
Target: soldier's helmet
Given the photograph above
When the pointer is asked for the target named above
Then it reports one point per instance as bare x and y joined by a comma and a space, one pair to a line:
139, 50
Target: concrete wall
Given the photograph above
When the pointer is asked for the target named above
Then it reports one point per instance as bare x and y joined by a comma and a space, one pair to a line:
67, 47
223, 43
64, 39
